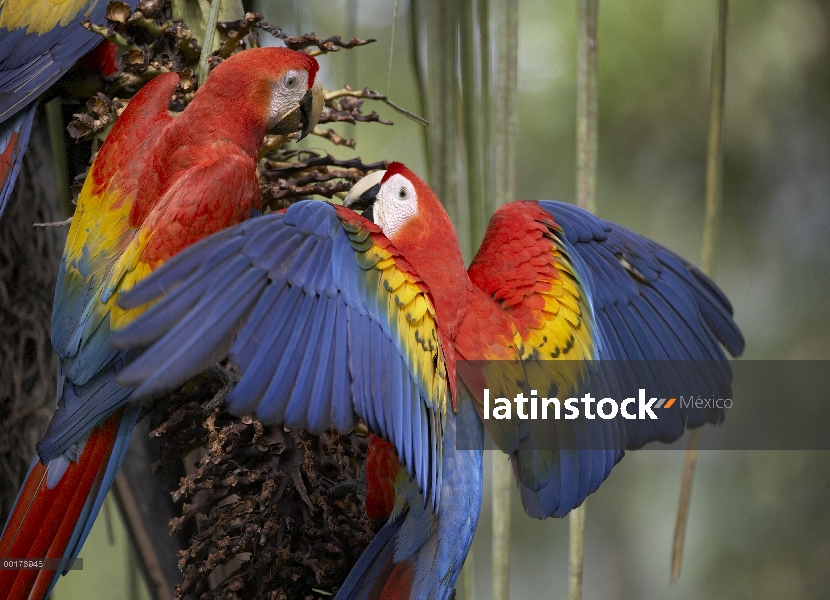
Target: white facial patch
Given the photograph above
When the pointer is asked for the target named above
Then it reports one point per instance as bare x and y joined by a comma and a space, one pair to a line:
286, 92
396, 203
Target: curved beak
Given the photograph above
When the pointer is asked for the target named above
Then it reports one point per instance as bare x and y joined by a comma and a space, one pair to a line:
311, 107
305, 116
363, 194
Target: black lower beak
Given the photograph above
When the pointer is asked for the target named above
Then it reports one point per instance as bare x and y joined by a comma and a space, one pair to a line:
289, 123
365, 202
302, 117
364, 194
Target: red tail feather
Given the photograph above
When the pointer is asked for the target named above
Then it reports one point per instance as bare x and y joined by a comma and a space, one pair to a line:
382, 467
399, 584
43, 520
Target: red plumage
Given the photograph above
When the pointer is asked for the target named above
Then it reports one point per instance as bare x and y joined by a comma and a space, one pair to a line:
103, 59
382, 467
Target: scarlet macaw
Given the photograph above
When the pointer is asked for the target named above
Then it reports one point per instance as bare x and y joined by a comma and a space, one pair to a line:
157, 185
337, 316
38, 45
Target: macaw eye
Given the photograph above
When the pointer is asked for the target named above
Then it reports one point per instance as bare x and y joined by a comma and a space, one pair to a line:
291, 81
402, 193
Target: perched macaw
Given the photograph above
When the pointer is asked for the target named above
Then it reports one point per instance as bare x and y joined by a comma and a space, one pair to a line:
39, 43
331, 316
157, 185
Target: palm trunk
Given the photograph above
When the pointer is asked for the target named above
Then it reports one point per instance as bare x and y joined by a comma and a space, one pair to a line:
710, 233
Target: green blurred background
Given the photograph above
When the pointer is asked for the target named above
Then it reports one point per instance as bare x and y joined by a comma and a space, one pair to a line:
759, 524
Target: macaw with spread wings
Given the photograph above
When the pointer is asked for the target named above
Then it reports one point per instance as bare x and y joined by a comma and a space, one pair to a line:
332, 316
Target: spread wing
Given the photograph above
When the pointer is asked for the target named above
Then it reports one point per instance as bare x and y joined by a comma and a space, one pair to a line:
584, 295
653, 305
324, 319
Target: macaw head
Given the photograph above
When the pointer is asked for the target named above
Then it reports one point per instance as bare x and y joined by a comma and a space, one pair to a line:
278, 86
401, 204
410, 216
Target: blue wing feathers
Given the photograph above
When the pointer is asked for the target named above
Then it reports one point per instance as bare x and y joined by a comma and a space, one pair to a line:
342, 415
259, 322
347, 274
360, 367
281, 373
76, 414
259, 234
297, 271
30, 63
313, 272
624, 285
86, 364
195, 292
306, 217
434, 461
206, 341
384, 406
202, 299
363, 394
390, 399
320, 401
406, 423
246, 395
276, 253
417, 413
583, 459
649, 305
273, 404
201, 256
396, 390
300, 402
681, 285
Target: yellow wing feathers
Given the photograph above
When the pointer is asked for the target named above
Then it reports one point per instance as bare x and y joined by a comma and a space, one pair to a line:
404, 301
16, 14
561, 329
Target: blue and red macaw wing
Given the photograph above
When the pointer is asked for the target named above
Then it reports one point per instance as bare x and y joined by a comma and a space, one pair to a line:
652, 305
627, 301
90, 390
324, 320
525, 265
102, 227
104, 253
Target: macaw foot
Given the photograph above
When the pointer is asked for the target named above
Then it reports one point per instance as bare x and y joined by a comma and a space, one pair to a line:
228, 379
354, 486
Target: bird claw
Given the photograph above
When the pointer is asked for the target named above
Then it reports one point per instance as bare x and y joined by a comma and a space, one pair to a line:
228, 379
